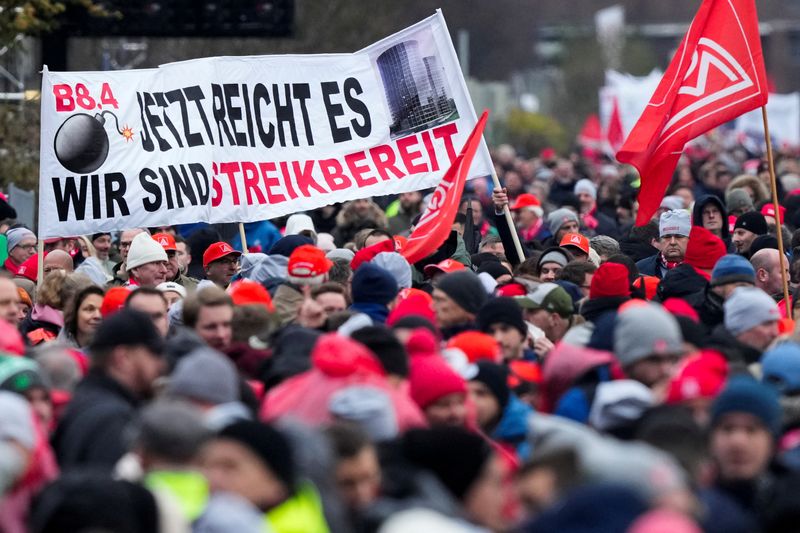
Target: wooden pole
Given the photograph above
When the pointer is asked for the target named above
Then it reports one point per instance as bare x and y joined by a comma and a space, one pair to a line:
243, 236
779, 221
40, 263
509, 220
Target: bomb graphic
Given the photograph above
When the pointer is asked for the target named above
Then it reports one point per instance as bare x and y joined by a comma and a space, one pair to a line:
81, 142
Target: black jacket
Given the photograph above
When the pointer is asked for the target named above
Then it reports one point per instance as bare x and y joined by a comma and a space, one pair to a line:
685, 283
738, 354
91, 432
650, 266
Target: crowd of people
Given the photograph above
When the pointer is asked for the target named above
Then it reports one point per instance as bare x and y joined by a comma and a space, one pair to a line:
604, 377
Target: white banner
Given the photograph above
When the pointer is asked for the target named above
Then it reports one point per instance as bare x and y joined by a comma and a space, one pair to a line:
632, 94
232, 139
783, 113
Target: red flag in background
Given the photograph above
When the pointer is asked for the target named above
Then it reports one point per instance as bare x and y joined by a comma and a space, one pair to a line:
716, 75
615, 133
436, 222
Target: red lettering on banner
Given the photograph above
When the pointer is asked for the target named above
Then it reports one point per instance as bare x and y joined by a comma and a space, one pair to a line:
63, 95
270, 182
287, 179
305, 179
231, 169
384, 159
334, 177
250, 173
357, 170
404, 147
428, 143
446, 133
217, 186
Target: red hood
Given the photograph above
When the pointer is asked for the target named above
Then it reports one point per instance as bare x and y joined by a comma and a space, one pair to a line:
338, 356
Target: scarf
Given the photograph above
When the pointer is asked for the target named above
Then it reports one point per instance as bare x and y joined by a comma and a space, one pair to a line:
667, 265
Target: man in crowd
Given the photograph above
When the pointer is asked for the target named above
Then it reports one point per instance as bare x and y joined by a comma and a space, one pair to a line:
9, 301
748, 226
673, 229
502, 319
209, 312
57, 260
767, 263
153, 303
146, 262
457, 298
102, 248
174, 269
183, 253
750, 326
550, 309
529, 217
125, 241
221, 262
21, 243
410, 207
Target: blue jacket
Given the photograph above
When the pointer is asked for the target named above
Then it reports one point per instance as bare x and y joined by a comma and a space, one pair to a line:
513, 427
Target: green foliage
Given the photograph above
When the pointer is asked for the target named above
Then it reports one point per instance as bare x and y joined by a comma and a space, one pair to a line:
531, 132
34, 17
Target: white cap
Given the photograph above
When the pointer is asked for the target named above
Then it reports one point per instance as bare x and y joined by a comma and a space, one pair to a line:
675, 222
144, 249
168, 286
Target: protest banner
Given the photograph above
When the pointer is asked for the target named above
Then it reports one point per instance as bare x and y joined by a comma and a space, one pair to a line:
783, 111
239, 139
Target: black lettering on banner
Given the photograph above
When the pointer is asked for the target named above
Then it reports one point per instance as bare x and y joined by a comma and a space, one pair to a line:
284, 113
248, 116
115, 194
231, 91
183, 188
353, 87
167, 188
95, 197
200, 178
218, 108
147, 141
192, 139
195, 94
302, 92
334, 110
155, 122
70, 195
261, 94
145, 177
162, 102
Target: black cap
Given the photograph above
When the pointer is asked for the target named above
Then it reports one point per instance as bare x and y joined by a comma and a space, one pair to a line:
127, 327
763, 242
752, 221
268, 444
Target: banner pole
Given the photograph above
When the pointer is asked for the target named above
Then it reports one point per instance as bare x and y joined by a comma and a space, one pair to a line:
509, 219
40, 262
243, 237
779, 221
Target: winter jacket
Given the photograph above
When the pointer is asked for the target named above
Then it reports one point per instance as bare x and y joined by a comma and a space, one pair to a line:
349, 222
512, 429
400, 223
91, 431
287, 301
42, 324
683, 282
651, 266
738, 354
593, 308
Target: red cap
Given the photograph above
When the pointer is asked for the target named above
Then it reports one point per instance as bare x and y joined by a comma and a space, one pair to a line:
412, 302
166, 241
114, 300
768, 210
308, 265
511, 289
218, 250
431, 378
575, 240
680, 307
365, 255
700, 376
30, 268
247, 292
447, 266
704, 248
521, 371
477, 346
526, 200
611, 279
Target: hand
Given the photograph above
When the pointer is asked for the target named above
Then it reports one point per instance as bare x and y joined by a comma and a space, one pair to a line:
310, 314
542, 346
500, 199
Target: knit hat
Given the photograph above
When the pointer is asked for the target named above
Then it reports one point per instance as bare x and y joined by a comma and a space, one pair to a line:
752, 221
575, 240
768, 210
170, 286
585, 186
456, 456
20, 374
416, 303
699, 376
502, 310
780, 368
732, 268
610, 280
554, 255
619, 403
300, 224
144, 250
173, 430
675, 222
476, 346
465, 289
704, 248
325, 242
743, 394
748, 307
308, 265
550, 297
643, 331
559, 217
205, 375
494, 269
127, 327
114, 300
431, 378
672, 203
286, 245
386, 348
372, 284
368, 407
396, 265
763, 242
341, 253
738, 200
368, 253
15, 236
246, 292
495, 377
269, 444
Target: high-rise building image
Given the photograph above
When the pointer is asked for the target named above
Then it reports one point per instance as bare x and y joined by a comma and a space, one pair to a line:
415, 87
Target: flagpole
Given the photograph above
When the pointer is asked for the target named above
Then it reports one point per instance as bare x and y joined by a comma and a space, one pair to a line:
778, 219
40, 263
509, 219
243, 237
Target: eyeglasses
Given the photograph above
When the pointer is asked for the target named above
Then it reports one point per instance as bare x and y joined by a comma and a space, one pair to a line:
27, 247
228, 261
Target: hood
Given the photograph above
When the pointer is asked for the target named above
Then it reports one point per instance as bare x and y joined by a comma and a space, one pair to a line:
338, 356
513, 425
92, 267
637, 250
300, 222
701, 203
261, 267
681, 281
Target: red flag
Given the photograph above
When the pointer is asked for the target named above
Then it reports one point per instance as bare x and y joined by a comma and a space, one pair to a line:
591, 134
436, 222
716, 75
615, 133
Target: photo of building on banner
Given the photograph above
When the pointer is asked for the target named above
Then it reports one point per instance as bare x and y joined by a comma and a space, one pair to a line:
239, 139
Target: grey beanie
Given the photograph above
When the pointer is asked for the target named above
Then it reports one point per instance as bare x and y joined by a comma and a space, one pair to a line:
396, 265
646, 330
368, 407
559, 217
173, 430
14, 236
748, 307
340, 253
465, 289
738, 200
205, 375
